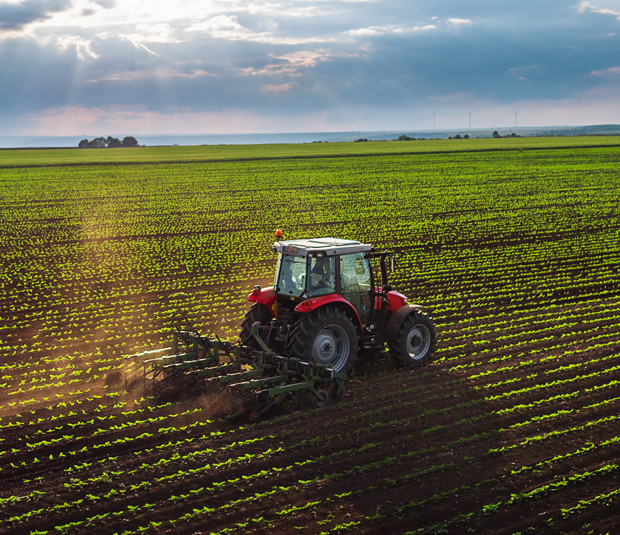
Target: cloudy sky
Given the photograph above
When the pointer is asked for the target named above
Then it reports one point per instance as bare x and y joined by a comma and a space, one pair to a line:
70, 67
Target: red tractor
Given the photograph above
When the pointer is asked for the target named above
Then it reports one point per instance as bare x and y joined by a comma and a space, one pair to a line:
331, 300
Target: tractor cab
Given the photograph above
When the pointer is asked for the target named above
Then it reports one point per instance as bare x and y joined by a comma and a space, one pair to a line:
310, 269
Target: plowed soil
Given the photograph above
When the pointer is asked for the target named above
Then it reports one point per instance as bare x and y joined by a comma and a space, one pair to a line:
513, 428
406, 450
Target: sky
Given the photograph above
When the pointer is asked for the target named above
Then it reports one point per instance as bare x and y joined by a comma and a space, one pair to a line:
106, 67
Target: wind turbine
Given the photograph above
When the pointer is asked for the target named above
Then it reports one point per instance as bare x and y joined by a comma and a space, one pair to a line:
516, 115
433, 118
469, 119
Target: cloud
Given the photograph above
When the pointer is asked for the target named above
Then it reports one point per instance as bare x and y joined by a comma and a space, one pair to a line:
270, 39
151, 33
15, 16
307, 58
373, 30
227, 27
83, 47
460, 22
279, 88
383, 30
70, 115
221, 25
611, 70
152, 74
514, 70
520, 71
587, 6
291, 64
365, 64
93, 121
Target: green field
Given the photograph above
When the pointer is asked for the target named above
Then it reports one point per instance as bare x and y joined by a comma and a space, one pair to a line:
44, 157
80, 234
513, 245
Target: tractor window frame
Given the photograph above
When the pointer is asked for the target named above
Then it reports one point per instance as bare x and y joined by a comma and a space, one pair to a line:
285, 283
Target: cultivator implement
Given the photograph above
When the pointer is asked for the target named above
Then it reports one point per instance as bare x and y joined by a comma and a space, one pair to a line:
240, 378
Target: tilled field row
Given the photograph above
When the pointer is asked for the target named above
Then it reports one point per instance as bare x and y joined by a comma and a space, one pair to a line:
317, 449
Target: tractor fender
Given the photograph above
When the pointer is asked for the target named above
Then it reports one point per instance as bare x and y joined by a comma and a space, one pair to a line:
313, 303
391, 329
395, 300
266, 296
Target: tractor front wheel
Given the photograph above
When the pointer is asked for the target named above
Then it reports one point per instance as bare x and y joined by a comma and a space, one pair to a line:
416, 340
326, 336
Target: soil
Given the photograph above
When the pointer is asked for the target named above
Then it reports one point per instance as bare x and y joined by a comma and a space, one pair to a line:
406, 450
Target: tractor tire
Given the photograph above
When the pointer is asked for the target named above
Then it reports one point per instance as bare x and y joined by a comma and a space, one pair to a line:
416, 341
326, 336
259, 312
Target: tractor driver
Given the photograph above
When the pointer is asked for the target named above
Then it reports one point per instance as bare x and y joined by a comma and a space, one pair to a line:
321, 274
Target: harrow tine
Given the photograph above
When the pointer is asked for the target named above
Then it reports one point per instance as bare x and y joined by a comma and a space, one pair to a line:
270, 403
198, 383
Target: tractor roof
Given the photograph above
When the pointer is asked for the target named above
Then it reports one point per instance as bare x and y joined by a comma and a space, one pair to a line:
329, 246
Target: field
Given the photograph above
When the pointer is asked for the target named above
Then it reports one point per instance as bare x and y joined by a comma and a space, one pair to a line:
513, 245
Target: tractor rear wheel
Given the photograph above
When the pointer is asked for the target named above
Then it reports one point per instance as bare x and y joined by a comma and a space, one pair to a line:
416, 340
258, 313
326, 336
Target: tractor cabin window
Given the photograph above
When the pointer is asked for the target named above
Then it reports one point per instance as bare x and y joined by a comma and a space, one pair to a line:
354, 272
292, 279
355, 283
322, 276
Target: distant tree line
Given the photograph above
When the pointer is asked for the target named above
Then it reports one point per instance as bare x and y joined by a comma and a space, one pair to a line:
496, 135
109, 143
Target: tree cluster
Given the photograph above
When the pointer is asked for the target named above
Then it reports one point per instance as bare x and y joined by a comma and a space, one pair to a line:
496, 135
109, 142
361, 140
405, 138
458, 136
